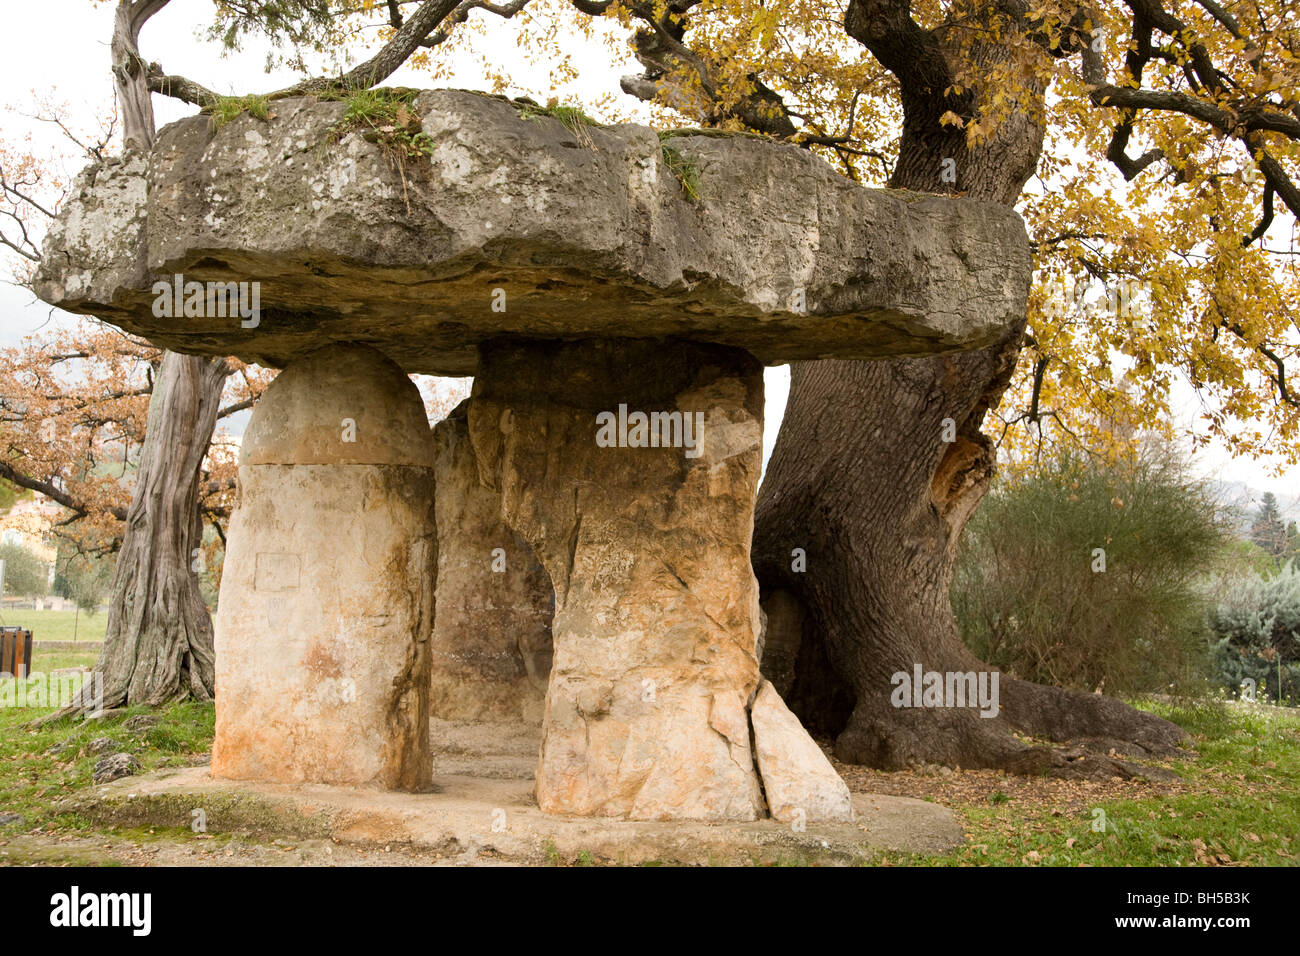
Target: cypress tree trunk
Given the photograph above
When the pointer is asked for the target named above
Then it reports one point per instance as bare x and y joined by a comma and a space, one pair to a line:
159, 645
159, 642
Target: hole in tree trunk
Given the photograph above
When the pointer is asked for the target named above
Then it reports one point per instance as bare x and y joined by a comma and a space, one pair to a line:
795, 660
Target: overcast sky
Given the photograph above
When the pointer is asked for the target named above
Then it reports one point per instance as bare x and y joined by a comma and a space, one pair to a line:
58, 49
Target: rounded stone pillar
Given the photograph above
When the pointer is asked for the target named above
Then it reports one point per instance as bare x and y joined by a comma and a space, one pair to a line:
326, 600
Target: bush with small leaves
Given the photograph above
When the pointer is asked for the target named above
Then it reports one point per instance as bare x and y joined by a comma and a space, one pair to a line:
1255, 637
1092, 575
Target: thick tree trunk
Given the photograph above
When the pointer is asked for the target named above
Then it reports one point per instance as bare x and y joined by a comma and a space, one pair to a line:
159, 641
158, 647
864, 481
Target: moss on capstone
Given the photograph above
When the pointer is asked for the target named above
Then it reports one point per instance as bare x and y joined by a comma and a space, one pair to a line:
712, 133
572, 118
386, 116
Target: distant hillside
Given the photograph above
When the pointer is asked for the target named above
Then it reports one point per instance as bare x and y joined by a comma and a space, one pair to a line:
1244, 500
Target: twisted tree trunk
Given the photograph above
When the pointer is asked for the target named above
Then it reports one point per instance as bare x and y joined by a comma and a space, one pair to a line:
130, 72
159, 643
159, 646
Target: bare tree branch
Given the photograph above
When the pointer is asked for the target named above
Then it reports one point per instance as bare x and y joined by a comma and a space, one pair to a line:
391, 56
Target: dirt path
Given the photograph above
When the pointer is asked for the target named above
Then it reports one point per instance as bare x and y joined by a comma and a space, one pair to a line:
107, 850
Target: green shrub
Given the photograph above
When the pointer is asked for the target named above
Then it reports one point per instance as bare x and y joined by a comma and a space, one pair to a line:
1255, 635
82, 578
1090, 577
24, 571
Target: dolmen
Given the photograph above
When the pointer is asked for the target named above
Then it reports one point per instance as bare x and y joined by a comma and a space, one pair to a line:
616, 294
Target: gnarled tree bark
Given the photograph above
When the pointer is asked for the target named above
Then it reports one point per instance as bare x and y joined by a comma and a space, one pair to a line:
159, 642
862, 479
158, 646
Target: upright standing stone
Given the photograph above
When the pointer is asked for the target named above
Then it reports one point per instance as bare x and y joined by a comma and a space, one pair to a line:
491, 646
326, 598
647, 546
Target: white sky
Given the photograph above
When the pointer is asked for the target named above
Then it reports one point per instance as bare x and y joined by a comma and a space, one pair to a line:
58, 49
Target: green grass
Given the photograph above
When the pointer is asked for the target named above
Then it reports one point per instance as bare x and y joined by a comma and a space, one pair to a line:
552, 854
46, 661
32, 780
1239, 799
571, 118
385, 115
58, 625
227, 108
686, 172
1243, 805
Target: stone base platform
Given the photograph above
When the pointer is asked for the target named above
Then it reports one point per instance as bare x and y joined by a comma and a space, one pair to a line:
500, 749
481, 820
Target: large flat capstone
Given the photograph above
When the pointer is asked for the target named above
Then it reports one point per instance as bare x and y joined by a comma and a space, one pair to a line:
515, 225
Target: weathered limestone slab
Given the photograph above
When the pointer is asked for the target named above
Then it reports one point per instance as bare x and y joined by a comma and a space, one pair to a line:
491, 645
514, 226
798, 781
656, 606
327, 592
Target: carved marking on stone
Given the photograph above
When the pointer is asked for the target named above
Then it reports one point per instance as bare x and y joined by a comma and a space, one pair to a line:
277, 571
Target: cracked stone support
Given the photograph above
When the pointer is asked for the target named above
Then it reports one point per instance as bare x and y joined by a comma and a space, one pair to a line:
656, 606
326, 597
